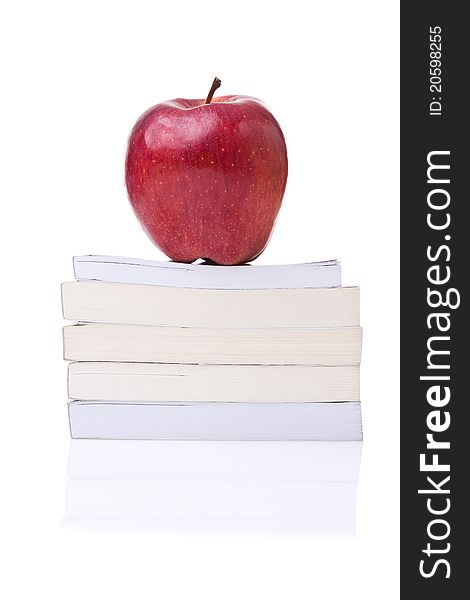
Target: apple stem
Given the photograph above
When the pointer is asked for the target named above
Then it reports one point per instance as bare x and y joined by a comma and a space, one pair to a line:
215, 85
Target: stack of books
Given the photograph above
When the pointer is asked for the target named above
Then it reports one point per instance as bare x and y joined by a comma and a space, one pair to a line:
163, 350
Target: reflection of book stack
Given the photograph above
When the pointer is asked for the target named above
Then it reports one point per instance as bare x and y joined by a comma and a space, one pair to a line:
255, 487
166, 350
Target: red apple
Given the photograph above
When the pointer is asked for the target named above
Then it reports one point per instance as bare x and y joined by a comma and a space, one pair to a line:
206, 177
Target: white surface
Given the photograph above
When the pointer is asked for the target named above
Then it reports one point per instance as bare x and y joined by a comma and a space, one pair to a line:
211, 461
286, 421
133, 270
74, 81
289, 488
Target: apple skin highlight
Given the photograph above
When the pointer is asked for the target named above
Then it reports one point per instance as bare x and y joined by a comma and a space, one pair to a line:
206, 177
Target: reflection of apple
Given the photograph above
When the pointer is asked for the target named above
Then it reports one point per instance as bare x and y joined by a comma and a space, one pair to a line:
206, 177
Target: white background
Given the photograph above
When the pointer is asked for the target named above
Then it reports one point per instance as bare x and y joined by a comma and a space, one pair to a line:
75, 77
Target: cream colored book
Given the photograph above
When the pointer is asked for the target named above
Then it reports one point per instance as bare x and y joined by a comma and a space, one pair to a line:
134, 304
153, 382
247, 346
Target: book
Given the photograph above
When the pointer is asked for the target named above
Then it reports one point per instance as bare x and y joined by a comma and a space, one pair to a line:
325, 421
117, 269
153, 382
135, 304
141, 343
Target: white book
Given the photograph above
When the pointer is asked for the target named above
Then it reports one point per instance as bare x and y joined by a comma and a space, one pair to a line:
101, 302
154, 382
140, 343
319, 421
117, 269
